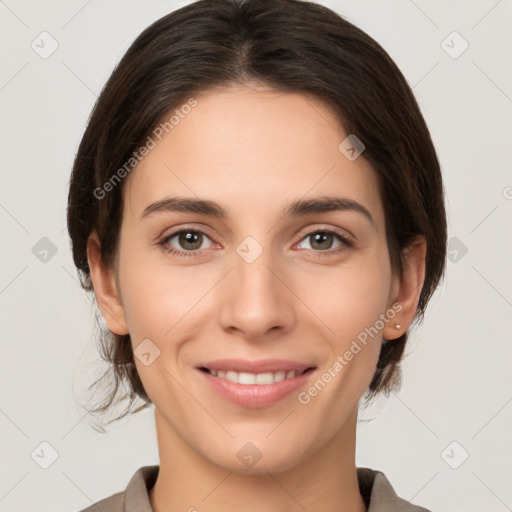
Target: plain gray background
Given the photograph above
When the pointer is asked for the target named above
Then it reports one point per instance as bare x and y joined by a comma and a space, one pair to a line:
456, 398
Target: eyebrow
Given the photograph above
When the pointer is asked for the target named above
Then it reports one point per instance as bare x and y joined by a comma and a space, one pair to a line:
296, 209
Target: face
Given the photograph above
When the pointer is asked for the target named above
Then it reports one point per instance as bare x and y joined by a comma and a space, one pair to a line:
283, 295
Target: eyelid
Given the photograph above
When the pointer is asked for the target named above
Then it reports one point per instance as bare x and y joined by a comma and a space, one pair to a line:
203, 229
180, 229
305, 232
332, 229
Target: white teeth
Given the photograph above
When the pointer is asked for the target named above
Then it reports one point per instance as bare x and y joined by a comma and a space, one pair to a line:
252, 378
264, 378
244, 378
279, 376
232, 376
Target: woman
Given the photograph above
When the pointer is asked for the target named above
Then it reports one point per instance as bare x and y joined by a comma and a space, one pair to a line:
258, 208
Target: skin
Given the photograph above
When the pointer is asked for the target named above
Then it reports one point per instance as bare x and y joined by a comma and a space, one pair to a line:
254, 151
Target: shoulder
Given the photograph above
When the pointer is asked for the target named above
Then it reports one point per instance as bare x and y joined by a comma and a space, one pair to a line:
114, 503
380, 495
134, 497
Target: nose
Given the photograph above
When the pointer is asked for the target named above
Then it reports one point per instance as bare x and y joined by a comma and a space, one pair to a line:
255, 301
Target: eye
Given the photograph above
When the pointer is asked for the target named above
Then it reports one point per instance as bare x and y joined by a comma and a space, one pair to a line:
189, 239
192, 242
322, 241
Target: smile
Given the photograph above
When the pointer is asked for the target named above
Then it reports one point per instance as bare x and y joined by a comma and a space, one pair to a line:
246, 378
255, 384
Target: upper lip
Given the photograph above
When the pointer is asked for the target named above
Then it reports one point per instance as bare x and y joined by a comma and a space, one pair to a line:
259, 366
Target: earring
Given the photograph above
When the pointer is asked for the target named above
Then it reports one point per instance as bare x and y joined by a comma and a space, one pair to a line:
397, 326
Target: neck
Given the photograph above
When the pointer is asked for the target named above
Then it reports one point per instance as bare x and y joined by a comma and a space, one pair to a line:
326, 481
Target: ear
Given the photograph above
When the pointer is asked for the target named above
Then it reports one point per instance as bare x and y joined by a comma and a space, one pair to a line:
408, 289
105, 288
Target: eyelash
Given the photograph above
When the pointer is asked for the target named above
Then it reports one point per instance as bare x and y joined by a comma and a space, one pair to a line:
163, 243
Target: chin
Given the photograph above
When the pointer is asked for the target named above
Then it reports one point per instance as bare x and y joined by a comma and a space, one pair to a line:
260, 456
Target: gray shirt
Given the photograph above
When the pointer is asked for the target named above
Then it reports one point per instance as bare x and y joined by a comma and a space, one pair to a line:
375, 489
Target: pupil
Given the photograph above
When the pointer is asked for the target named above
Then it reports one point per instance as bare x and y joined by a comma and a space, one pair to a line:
191, 238
318, 239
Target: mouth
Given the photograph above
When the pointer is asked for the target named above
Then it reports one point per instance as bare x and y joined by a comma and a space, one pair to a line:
246, 378
254, 384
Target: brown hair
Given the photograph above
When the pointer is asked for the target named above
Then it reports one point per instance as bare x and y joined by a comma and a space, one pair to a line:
293, 46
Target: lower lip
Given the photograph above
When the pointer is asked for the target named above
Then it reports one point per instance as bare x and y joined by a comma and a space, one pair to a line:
256, 395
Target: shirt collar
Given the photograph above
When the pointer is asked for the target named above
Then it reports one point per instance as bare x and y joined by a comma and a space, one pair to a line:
375, 488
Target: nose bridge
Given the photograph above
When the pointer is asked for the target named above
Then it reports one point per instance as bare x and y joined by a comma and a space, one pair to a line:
254, 299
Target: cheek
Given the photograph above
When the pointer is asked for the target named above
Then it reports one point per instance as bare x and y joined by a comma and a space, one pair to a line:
350, 301
351, 305
156, 295
350, 297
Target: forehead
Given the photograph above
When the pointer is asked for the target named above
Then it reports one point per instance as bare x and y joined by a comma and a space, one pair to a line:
252, 150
